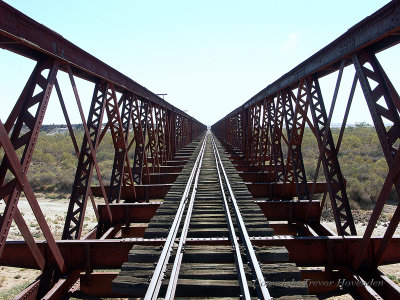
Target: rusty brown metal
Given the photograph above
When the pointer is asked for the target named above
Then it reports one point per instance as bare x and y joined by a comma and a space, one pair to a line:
77, 206
295, 130
21, 131
71, 132
139, 122
23, 184
151, 146
253, 134
30, 292
387, 109
33, 40
304, 251
357, 47
26, 141
121, 174
161, 123
62, 286
333, 174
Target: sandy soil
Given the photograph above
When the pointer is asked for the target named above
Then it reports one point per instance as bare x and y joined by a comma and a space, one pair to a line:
13, 280
54, 211
339, 297
361, 218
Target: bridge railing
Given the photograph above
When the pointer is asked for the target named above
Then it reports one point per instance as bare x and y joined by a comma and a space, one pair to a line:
126, 108
267, 131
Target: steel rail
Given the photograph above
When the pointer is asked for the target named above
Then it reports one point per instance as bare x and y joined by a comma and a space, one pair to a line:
262, 290
238, 257
156, 279
173, 280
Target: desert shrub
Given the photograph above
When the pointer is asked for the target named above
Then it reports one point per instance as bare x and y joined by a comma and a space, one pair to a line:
361, 160
363, 165
54, 162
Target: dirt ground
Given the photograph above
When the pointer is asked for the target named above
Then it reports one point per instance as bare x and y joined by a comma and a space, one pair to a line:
361, 218
14, 280
54, 211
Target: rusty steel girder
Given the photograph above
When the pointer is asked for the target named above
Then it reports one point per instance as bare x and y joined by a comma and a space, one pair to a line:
333, 174
11, 190
304, 251
20, 132
139, 122
277, 153
151, 146
77, 206
121, 174
296, 96
253, 133
161, 124
389, 109
295, 130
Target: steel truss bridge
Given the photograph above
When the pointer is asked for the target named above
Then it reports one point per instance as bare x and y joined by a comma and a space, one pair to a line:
251, 162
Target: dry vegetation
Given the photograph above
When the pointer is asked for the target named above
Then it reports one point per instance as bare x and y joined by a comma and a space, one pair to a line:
361, 159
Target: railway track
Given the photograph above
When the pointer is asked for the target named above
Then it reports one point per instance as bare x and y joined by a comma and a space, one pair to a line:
208, 202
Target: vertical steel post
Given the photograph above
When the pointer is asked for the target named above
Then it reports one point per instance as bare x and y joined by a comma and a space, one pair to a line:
295, 130
270, 146
264, 139
161, 134
83, 177
151, 145
139, 122
388, 108
20, 119
333, 174
121, 174
279, 165
255, 141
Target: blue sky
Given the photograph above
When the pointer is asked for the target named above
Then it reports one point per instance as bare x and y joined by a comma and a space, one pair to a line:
208, 56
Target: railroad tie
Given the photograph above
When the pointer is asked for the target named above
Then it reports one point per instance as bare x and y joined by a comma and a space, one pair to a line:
208, 268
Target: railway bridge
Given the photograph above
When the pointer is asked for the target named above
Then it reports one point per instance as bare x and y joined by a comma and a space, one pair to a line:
191, 212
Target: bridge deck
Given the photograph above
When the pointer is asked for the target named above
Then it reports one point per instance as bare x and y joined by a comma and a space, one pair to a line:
232, 232
209, 270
